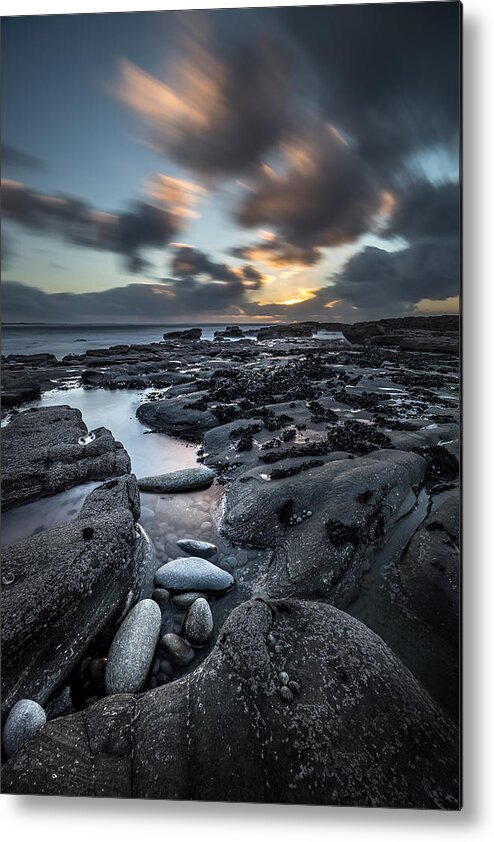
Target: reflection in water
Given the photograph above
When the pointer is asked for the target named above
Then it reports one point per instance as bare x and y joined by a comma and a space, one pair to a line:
24, 521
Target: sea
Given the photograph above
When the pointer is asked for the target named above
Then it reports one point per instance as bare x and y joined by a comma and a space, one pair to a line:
76, 339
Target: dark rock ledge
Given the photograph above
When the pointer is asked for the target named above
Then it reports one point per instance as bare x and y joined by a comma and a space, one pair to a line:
48, 450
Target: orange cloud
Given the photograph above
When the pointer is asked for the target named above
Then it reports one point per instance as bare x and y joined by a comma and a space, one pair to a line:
448, 306
176, 194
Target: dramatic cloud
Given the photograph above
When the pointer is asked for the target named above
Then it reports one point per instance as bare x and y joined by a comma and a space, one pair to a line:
191, 263
219, 114
186, 297
144, 225
376, 280
274, 252
321, 195
386, 74
426, 210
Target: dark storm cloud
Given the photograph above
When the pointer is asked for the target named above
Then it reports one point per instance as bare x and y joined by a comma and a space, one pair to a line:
387, 74
227, 107
426, 210
377, 280
126, 233
172, 297
12, 157
325, 196
188, 262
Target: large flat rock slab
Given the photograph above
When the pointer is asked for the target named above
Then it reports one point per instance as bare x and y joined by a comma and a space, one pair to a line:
47, 450
323, 711
60, 588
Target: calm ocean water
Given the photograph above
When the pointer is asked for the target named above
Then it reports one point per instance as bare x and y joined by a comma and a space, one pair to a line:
75, 339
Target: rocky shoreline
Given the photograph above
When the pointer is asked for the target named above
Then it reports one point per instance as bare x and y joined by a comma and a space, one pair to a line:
306, 631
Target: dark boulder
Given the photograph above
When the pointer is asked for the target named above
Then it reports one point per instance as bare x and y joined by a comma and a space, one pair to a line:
192, 334
323, 711
230, 332
186, 416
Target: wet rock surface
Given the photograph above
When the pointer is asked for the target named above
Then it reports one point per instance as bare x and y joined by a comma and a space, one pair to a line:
348, 732
62, 587
47, 450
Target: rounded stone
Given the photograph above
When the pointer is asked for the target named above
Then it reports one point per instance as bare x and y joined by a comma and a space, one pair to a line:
191, 573
132, 649
185, 600
186, 479
198, 623
200, 549
180, 652
25, 718
161, 596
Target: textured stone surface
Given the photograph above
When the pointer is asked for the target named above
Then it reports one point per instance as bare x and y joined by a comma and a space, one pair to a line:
192, 574
351, 727
25, 718
351, 503
186, 479
132, 649
67, 584
41, 454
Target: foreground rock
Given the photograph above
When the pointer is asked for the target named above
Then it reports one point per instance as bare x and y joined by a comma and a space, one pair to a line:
186, 479
322, 522
132, 650
23, 721
65, 586
350, 726
44, 451
193, 574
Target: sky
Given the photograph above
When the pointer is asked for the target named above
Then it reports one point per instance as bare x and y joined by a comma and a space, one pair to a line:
246, 165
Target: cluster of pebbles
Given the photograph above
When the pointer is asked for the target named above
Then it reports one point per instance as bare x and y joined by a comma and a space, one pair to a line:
159, 636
